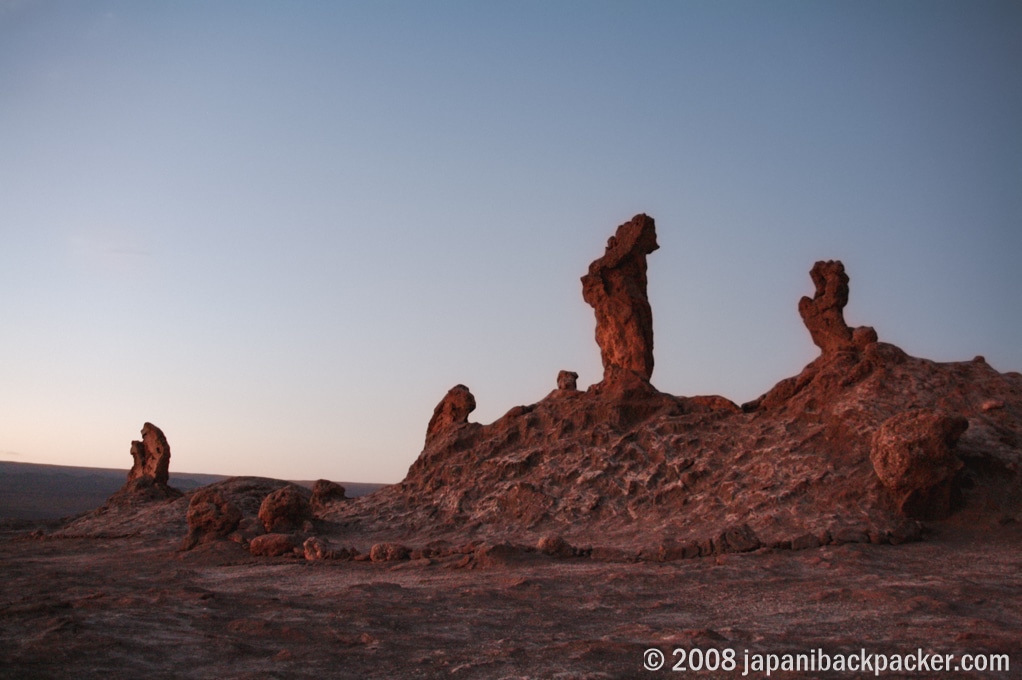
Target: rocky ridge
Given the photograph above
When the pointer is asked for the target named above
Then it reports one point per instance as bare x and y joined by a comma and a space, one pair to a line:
863, 445
860, 446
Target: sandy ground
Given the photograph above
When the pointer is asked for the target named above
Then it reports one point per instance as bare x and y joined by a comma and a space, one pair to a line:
136, 608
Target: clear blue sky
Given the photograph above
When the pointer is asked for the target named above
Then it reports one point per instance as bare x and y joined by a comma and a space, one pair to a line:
281, 231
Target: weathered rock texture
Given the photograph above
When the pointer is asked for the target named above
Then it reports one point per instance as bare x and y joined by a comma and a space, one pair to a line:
151, 456
855, 448
286, 509
913, 454
229, 510
453, 410
623, 466
823, 314
147, 483
325, 492
567, 380
615, 287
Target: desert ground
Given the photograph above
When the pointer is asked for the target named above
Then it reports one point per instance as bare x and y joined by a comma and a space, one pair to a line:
138, 607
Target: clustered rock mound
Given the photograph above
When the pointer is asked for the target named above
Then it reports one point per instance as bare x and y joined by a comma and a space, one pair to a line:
864, 442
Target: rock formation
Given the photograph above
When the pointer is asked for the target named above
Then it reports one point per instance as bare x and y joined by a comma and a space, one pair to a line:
567, 381
228, 510
325, 492
615, 287
913, 454
151, 456
150, 471
823, 314
823, 457
286, 509
453, 409
858, 447
211, 515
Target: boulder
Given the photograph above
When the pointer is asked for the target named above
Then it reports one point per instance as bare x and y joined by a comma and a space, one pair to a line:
913, 455
210, 515
567, 380
555, 546
286, 509
823, 314
615, 287
274, 545
325, 492
388, 552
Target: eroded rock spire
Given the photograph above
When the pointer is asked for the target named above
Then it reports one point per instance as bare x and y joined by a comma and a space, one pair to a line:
823, 314
151, 456
615, 287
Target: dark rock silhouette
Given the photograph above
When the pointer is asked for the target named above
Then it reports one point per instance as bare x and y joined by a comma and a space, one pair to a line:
615, 287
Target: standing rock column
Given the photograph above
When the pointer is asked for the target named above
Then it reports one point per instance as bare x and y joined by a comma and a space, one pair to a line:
615, 287
152, 456
823, 314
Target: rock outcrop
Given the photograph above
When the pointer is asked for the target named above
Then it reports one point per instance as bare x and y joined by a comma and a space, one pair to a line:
567, 381
823, 314
228, 510
913, 454
151, 456
149, 476
325, 492
452, 410
623, 466
861, 446
615, 287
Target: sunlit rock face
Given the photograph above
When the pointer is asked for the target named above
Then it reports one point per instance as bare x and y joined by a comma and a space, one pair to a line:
626, 465
615, 287
151, 456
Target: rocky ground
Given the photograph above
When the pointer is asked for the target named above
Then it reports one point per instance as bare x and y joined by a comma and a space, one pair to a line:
136, 607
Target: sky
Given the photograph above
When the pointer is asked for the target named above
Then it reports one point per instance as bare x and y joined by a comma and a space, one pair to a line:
282, 231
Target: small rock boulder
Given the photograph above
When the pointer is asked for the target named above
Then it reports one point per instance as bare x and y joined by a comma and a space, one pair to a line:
388, 552
555, 546
325, 492
913, 454
737, 540
286, 509
567, 381
274, 545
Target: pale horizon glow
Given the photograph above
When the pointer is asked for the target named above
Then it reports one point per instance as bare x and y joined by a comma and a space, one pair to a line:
281, 232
